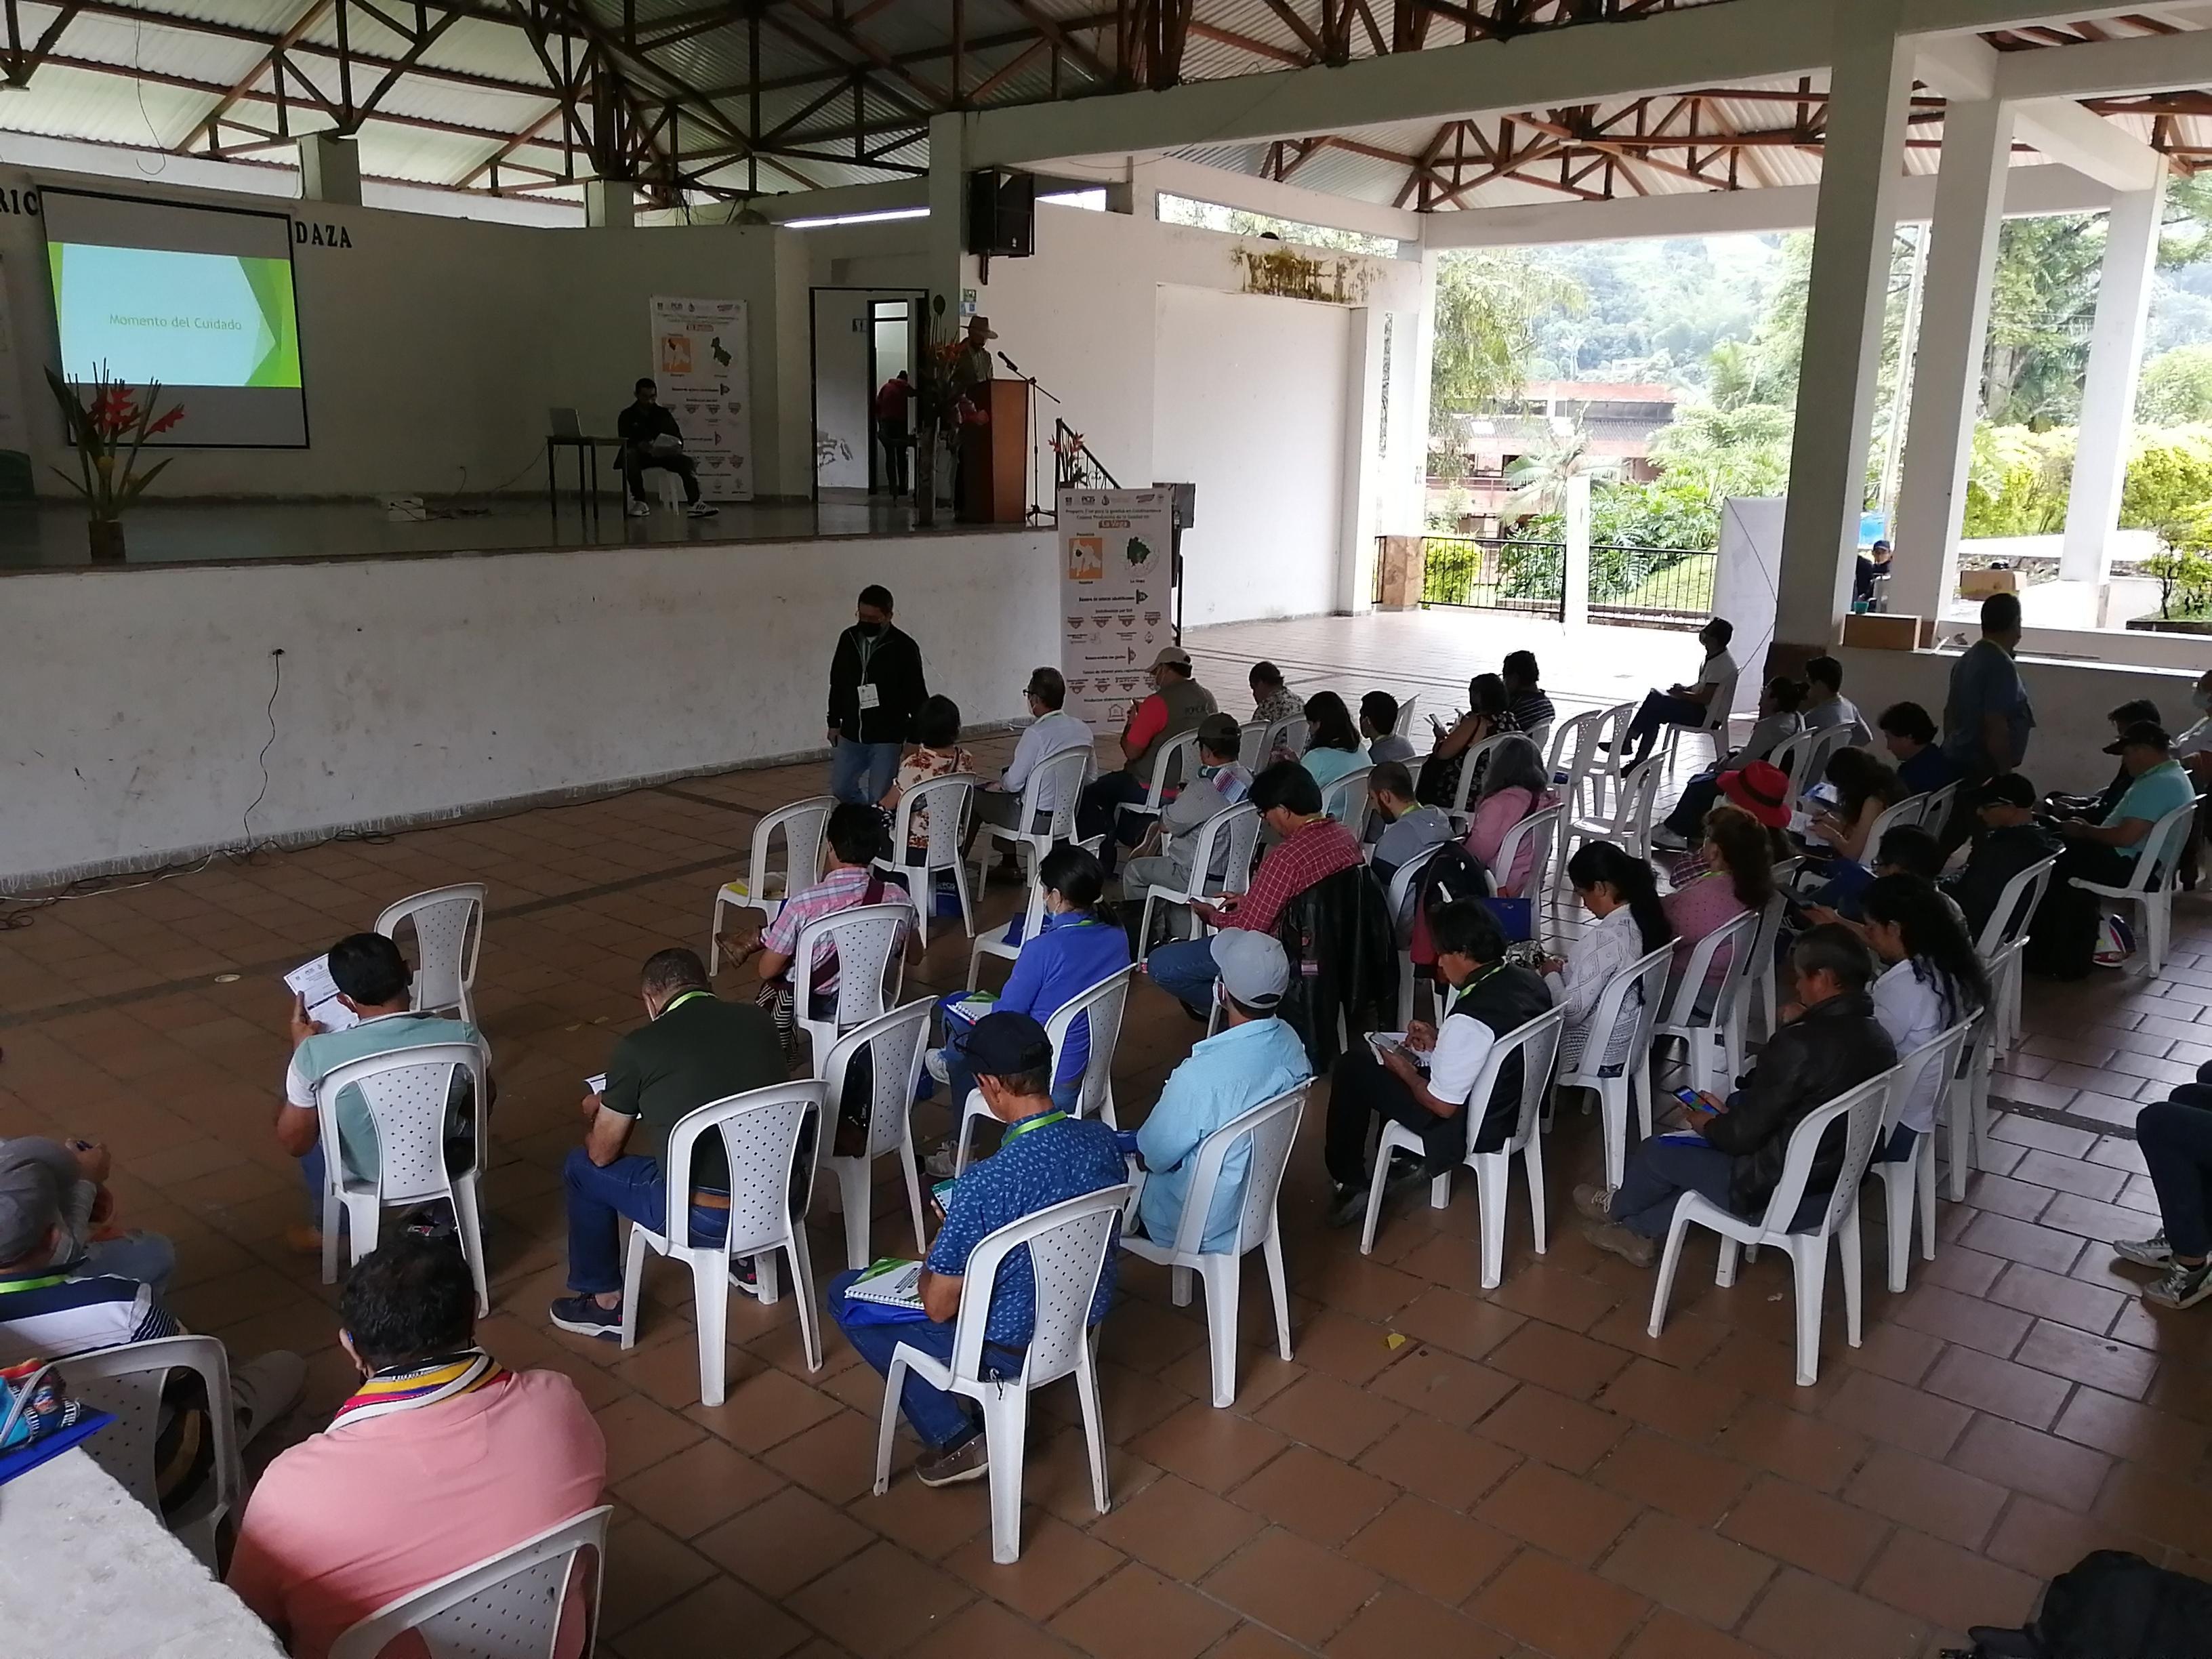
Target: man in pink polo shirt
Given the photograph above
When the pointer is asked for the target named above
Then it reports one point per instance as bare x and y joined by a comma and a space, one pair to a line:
441, 1458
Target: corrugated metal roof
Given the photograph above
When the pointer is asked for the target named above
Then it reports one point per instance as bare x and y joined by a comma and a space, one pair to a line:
438, 125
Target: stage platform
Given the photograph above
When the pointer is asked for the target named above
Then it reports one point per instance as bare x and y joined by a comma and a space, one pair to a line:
50, 535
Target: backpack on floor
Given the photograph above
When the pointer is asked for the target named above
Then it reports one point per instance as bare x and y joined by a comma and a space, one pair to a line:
2111, 1604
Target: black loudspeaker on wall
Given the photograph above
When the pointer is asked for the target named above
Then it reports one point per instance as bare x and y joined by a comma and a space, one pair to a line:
1001, 214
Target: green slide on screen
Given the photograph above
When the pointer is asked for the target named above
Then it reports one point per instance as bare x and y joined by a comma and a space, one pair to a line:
216, 319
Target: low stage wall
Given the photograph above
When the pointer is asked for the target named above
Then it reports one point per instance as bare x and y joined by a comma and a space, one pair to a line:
414, 688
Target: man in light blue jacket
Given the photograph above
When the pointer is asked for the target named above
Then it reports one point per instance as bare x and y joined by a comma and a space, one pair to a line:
1253, 1058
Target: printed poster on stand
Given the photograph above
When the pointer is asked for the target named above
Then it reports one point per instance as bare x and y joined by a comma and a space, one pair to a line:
699, 359
1117, 597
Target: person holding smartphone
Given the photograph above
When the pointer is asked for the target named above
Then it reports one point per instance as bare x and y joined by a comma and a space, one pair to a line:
1831, 1042
1427, 1083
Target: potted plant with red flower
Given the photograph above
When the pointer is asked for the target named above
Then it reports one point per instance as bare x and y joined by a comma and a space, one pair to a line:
108, 424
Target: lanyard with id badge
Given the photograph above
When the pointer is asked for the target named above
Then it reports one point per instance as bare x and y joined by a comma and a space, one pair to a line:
865, 647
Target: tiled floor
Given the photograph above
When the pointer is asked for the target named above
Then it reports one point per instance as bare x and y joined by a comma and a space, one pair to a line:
1439, 1470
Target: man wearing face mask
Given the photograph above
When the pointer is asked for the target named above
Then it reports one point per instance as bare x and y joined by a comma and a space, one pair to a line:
877, 688
693, 1048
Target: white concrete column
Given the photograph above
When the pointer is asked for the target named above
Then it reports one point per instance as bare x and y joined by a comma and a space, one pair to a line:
1575, 570
1358, 518
330, 168
951, 268
1861, 163
1947, 369
1137, 192
611, 204
2108, 392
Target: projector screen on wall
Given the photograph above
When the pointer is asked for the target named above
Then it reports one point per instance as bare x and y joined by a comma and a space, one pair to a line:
197, 298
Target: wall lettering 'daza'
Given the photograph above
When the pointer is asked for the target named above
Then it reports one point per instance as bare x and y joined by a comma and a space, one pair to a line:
307, 234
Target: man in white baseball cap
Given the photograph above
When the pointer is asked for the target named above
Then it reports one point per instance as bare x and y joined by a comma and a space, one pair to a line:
1253, 1057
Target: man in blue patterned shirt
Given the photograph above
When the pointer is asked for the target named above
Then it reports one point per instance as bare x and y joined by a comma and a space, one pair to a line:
1046, 1158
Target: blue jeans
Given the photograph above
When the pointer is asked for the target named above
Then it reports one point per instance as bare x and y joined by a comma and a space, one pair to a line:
631, 1187
1184, 968
2175, 1137
941, 1419
1659, 709
1659, 1172
862, 772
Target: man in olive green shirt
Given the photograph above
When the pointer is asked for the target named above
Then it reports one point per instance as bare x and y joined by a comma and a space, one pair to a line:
693, 1050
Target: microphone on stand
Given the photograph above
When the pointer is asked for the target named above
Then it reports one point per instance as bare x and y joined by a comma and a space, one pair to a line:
1009, 362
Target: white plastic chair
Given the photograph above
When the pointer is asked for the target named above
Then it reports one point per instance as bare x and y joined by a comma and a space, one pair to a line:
1537, 1042
1909, 1184
1173, 763
1904, 813
1403, 881
127, 1381
1764, 967
1227, 840
1936, 808
2151, 887
1345, 800
1265, 1134
508, 1606
762, 1130
1603, 766
1472, 760
448, 928
894, 1044
1252, 745
2016, 907
1102, 1006
1543, 824
1862, 1110
406, 1091
1288, 734
1967, 1105
1713, 1039
1571, 739
1062, 777
870, 941
1631, 1001
1805, 758
1628, 824
765, 889
947, 801
2008, 921
1067, 1245
1714, 727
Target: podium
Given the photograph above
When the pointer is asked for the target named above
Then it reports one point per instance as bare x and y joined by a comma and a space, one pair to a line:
995, 458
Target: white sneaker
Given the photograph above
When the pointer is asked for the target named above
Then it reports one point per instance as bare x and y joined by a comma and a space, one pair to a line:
933, 1062
640, 509
701, 510
262, 1390
2152, 1252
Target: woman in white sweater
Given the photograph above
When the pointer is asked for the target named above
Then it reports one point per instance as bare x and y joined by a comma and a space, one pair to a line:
1931, 979
1619, 890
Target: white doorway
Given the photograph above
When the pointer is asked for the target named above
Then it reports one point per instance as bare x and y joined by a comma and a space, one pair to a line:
861, 338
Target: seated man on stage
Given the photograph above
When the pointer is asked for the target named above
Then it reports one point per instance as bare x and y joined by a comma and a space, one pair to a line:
649, 438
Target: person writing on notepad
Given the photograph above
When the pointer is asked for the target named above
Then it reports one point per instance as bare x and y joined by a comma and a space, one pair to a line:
376, 985
1046, 1158
693, 1048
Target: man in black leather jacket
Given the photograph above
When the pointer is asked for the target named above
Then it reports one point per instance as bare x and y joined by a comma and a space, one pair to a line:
1832, 1044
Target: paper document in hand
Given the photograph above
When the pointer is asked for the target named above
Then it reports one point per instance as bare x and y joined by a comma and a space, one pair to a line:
596, 1085
312, 981
894, 1282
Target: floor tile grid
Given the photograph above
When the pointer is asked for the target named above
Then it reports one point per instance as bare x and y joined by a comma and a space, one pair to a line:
1521, 1468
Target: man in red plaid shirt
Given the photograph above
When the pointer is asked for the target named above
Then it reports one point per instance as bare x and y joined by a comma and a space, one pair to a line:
1311, 848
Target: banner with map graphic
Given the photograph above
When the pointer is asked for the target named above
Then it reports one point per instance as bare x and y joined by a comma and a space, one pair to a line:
699, 358
1117, 597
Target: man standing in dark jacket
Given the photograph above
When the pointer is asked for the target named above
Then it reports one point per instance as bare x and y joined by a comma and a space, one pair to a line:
2011, 841
1832, 1044
875, 690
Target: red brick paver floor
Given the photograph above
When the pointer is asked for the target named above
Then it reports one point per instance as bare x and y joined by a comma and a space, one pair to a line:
1439, 1469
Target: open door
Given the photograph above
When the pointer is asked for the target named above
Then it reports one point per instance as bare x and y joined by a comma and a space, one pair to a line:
861, 338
